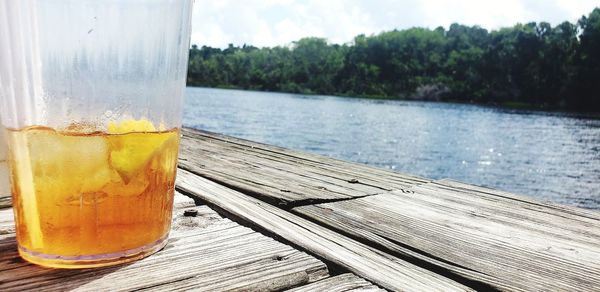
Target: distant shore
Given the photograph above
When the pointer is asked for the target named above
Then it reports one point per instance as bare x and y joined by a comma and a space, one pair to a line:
511, 105
531, 65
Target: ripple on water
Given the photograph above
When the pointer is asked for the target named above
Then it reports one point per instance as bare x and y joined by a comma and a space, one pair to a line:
549, 156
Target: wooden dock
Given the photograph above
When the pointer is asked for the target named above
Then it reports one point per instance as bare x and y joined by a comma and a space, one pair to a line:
272, 219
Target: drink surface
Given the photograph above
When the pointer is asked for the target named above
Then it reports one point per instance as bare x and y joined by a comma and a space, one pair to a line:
85, 194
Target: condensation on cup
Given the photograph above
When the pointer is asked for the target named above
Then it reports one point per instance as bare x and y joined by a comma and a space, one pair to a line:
91, 96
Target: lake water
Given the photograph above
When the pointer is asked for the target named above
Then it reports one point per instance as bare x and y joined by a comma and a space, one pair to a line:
549, 156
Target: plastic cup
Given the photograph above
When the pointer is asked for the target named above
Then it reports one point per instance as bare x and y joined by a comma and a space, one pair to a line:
4, 188
91, 96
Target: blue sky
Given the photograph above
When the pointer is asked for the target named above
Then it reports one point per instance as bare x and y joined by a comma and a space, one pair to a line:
279, 22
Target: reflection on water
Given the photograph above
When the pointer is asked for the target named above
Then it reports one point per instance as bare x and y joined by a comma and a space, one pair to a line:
552, 157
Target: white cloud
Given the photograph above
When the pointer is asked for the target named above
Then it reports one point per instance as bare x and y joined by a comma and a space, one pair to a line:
280, 22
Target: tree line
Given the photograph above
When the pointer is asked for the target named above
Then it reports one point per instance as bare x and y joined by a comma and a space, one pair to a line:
533, 64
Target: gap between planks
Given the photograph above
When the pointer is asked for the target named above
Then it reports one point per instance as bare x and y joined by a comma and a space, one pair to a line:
205, 252
504, 240
320, 241
282, 176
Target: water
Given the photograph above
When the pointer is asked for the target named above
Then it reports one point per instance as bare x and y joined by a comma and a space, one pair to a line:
548, 156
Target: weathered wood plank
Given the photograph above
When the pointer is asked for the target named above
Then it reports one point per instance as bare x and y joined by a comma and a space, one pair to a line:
5, 200
282, 175
350, 254
206, 252
339, 283
7, 223
508, 241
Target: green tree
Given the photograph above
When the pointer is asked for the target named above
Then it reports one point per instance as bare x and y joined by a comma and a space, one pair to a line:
533, 63
586, 85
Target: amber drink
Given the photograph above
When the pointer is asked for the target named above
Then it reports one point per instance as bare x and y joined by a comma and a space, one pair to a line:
4, 189
91, 99
100, 196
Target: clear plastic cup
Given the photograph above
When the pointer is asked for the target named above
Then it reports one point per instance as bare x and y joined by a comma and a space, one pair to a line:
91, 96
4, 188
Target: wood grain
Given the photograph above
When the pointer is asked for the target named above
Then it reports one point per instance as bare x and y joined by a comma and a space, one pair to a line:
206, 252
504, 240
5, 202
347, 253
281, 175
339, 283
7, 223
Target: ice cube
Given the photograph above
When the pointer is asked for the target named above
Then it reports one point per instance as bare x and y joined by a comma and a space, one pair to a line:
65, 165
136, 186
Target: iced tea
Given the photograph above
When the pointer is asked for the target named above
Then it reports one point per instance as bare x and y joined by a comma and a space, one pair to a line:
4, 190
88, 198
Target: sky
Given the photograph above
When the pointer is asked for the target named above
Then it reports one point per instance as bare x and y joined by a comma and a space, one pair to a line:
267, 23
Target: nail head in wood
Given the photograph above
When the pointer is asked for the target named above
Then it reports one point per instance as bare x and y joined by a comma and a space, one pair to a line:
190, 213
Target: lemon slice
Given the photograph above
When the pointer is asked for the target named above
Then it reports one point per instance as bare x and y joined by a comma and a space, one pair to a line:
136, 145
130, 126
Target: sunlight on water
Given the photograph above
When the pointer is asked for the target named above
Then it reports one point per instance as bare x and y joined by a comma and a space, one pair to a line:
549, 156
